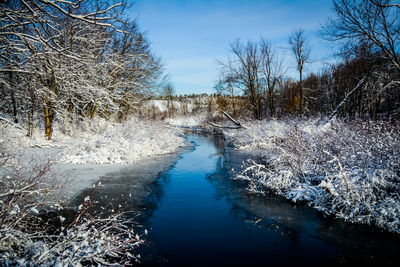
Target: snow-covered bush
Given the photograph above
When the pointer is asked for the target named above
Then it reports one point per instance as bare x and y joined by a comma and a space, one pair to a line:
33, 232
25, 188
349, 170
90, 239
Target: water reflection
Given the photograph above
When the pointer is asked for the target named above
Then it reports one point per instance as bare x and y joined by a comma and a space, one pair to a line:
201, 219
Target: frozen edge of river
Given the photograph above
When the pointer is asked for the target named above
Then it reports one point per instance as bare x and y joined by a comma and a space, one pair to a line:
77, 177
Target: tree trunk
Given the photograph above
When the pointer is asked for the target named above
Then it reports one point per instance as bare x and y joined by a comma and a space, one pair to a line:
30, 124
256, 109
13, 101
271, 102
234, 107
48, 119
301, 90
93, 111
255, 102
49, 109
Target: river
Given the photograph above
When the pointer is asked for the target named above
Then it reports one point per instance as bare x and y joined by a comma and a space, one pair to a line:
196, 215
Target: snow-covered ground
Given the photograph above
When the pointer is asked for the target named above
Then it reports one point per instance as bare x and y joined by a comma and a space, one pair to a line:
102, 143
187, 121
347, 170
84, 153
124, 143
162, 106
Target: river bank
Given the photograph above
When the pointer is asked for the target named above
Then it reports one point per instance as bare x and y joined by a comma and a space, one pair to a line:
348, 170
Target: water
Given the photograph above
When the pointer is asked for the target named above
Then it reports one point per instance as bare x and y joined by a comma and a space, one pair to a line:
198, 216
204, 219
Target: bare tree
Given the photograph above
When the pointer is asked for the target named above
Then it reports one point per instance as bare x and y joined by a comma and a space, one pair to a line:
374, 21
272, 69
225, 86
301, 52
35, 42
244, 72
375, 24
169, 92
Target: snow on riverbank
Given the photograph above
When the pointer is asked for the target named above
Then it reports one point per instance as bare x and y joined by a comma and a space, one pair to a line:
101, 143
37, 175
124, 143
187, 121
84, 153
348, 170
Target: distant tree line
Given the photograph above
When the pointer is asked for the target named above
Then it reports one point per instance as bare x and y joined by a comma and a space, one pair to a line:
365, 83
72, 60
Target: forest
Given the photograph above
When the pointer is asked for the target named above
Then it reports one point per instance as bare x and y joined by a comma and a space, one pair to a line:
363, 84
70, 61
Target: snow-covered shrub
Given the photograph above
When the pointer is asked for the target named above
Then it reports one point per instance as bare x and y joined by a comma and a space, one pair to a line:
25, 188
33, 234
349, 170
91, 239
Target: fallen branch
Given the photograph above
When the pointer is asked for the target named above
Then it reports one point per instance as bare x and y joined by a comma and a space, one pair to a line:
45, 145
232, 119
13, 124
226, 127
344, 100
237, 123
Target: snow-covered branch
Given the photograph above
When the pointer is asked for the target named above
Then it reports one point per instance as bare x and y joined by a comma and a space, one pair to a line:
13, 124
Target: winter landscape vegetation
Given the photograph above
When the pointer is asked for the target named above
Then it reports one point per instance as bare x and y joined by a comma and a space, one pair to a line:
83, 95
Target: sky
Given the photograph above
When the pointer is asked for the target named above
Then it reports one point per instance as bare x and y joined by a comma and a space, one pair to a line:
190, 36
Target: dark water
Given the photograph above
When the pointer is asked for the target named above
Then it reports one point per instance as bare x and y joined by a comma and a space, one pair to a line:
198, 216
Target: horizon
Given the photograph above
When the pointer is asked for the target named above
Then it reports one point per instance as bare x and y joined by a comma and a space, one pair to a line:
190, 36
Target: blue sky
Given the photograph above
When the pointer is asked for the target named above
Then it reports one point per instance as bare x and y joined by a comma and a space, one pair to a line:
190, 36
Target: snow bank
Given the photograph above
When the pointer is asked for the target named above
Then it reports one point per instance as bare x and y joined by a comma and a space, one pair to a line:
187, 121
83, 153
101, 142
258, 135
123, 143
31, 186
348, 170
